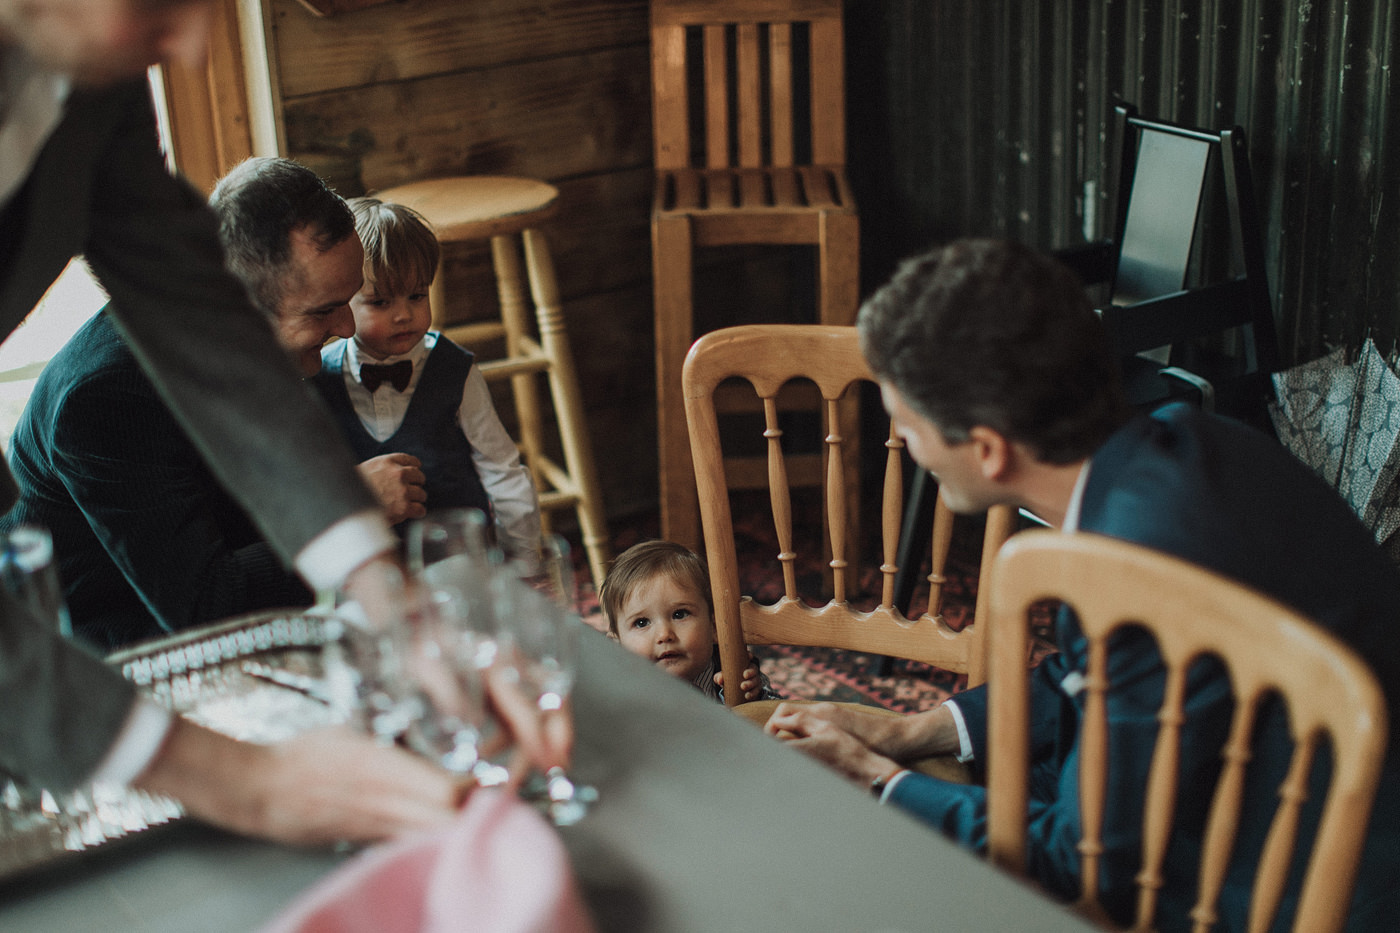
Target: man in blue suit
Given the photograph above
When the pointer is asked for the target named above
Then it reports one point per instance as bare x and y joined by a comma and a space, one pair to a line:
996, 373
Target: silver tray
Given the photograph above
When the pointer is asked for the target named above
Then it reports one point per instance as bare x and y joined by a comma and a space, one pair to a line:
216, 676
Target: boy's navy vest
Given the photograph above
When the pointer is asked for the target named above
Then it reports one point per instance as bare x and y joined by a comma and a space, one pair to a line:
430, 429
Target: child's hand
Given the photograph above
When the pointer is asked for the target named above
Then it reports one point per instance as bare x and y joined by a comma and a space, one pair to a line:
397, 482
752, 684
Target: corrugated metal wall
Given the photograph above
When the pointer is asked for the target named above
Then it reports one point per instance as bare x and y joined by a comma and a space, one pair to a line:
989, 117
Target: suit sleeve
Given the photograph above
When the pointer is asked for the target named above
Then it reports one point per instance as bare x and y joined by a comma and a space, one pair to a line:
214, 359
1045, 700
62, 705
155, 509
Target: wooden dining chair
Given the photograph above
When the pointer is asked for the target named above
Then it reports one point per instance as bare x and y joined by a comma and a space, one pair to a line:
749, 128
767, 356
1268, 650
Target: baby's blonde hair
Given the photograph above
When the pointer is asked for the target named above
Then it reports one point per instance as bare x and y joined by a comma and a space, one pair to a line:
401, 250
644, 561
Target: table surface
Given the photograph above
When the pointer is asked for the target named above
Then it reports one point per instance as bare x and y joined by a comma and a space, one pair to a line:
703, 823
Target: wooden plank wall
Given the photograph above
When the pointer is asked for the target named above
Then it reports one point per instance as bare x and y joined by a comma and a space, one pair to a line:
557, 90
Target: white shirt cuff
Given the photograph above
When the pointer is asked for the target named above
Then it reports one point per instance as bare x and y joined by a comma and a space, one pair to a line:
889, 785
964, 740
328, 559
136, 745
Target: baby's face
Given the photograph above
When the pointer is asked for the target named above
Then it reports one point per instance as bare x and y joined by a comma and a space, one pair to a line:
666, 621
387, 325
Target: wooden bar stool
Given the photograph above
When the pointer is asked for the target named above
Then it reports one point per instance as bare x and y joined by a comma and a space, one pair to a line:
507, 211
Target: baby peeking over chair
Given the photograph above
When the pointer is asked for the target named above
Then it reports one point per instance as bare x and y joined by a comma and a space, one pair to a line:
657, 601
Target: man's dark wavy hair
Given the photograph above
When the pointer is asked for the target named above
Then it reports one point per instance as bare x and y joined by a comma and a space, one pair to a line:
259, 203
990, 332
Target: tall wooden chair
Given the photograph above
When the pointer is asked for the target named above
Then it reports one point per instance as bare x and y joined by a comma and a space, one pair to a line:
507, 212
745, 153
1191, 613
767, 356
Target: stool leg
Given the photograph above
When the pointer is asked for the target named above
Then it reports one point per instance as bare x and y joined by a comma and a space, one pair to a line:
437, 297
568, 402
510, 285
671, 283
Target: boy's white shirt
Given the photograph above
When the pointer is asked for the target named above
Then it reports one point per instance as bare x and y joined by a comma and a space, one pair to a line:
497, 458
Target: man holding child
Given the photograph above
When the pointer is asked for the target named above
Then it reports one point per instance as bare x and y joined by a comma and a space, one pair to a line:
147, 540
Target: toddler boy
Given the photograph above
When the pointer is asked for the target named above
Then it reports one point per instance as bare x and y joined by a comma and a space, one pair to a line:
397, 386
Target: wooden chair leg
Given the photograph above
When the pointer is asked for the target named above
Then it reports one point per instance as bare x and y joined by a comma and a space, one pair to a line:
672, 283
839, 249
568, 403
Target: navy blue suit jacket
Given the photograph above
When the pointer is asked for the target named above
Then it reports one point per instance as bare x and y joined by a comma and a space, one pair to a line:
1223, 496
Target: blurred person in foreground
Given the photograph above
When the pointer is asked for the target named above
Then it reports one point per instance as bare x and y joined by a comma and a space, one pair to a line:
81, 172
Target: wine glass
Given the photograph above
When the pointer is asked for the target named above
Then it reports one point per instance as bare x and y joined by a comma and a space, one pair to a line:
444, 662
368, 676
447, 553
456, 639
535, 603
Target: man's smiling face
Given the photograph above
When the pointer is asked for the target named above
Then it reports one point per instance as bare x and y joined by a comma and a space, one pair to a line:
314, 303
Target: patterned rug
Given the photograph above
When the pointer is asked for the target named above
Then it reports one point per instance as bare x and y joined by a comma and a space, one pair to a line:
830, 674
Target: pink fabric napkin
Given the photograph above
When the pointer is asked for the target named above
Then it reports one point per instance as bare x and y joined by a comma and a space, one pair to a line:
499, 867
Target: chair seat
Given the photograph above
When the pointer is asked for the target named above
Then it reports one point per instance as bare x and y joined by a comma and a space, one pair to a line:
775, 189
475, 207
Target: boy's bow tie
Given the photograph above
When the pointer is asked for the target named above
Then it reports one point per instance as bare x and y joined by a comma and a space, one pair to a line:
373, 375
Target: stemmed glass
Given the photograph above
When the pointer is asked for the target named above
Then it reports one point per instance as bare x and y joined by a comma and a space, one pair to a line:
456, 641
368, 675
535, 602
